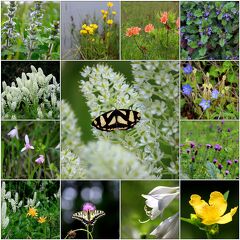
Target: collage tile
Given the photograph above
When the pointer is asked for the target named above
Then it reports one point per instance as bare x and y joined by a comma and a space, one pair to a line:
120, 119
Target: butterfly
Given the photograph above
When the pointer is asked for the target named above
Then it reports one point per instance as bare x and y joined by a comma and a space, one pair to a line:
88, 217
118, 119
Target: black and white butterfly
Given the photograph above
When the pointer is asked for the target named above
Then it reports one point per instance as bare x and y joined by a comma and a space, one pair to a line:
118, 119
88, 217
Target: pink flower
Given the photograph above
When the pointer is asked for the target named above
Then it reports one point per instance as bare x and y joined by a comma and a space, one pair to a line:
149, 28
178, 22
40, 160
27, 144
164, 18
13, 133
88, 207
132, 31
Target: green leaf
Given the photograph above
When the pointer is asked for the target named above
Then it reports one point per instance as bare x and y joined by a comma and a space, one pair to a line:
204, 39
193, 44
226, 195
232, 78
198, 13
214, 71
211, 169
222, 42
202, 51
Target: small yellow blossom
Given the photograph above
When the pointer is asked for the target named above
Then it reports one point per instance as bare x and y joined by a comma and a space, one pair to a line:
104, 16
84, 26
93, 39
212, 213
114, 12
93, 25
83, 32
110, 21
110, 4
42, 219
102, 11
32, 212
106, 12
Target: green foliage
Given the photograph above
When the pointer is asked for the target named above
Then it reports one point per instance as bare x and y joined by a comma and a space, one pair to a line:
44, 198
205, 78
44, 136
30, 30
203, 161
160, 43
209, 30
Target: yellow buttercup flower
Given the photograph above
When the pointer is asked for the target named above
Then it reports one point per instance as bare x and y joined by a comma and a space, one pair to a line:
83, 32
103, 11
104, 16
114, 12
110, 21
84, 26
42, 219
110, 4
93, 25
212, 213
32, 212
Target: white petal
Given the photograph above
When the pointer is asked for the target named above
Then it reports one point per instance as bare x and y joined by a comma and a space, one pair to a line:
163, 189
31, 147
23, 149
151, 201
26, 139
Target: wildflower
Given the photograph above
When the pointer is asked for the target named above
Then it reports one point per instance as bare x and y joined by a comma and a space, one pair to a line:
227, 172
164, 18
187, 89
188, 69
205, 104
208, 145
229, 162
132, 31
13, 133
212, 213
102, 11
159, 198
215, 93
114, 12
88, 207
149, 28
188, 151
104, 16
42, 219
220, 166
218, 147
109, 21
84, 26
215, 160
168, 229
40, 160
27, 144
235, 161
83, 32
32, 212
178, 22
192, 144
193, 159
110, 4
229, 130
94, 25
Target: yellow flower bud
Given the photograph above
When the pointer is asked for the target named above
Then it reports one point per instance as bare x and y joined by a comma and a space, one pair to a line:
84, 26
114, 12
110, 21
83, 32
109, 4
103, 11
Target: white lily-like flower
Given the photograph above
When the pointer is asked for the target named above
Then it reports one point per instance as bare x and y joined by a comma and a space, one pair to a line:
168, 229
159, 198
13, 133
27, 144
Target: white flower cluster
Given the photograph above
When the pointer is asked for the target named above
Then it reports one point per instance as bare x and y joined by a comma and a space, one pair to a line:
98, 159
33, 96
154, 93
158, 200
32, 202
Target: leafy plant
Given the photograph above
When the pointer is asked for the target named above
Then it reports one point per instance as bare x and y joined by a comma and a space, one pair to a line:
210, 90
31, 210
209, 150
209, 30
30, 30
155, 37
98, 38
29, 150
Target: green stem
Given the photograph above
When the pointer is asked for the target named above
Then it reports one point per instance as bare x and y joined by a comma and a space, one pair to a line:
81, 229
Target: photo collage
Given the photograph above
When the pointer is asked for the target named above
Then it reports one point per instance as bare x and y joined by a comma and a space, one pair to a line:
120, 119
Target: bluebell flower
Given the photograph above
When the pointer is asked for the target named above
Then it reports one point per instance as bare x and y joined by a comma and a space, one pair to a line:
187, 89
215, 93
188, 69
227, 16
205, 104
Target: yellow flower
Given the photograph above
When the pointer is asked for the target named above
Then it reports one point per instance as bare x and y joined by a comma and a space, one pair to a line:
84, 26
32, 212
91, 31
114, 12
103, 11
83, 32
42, 219
93, 40
109, 4
212, 213
93, 25
110, 21
104, 16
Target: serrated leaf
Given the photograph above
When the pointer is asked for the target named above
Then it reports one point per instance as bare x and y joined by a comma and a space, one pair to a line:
202, 51
222, 42
198, 13
204, 39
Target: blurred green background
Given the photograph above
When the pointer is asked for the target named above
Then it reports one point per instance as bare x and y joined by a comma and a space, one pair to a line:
132, 208
103, 194
70, 76
204, 189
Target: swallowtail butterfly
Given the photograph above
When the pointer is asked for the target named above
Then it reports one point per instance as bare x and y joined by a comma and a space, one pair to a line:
88, 217
118, 119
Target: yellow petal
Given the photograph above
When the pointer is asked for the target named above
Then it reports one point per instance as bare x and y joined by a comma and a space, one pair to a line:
198, 205
217, 200
227, 217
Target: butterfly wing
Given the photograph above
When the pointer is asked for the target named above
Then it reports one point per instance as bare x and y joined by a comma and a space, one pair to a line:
88, 217
81, 216
94, 215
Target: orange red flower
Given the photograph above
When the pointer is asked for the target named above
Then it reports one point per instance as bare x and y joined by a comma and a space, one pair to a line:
164, 17
148, 28
132, 31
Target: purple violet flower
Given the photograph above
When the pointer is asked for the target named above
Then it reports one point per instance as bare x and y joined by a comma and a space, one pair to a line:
205, 104
227, 172
40, 160
218, 147
208, 146
215, 160
88, 207
187, 89
220, 166
28, 146
215, 93
229, 162
188, 69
